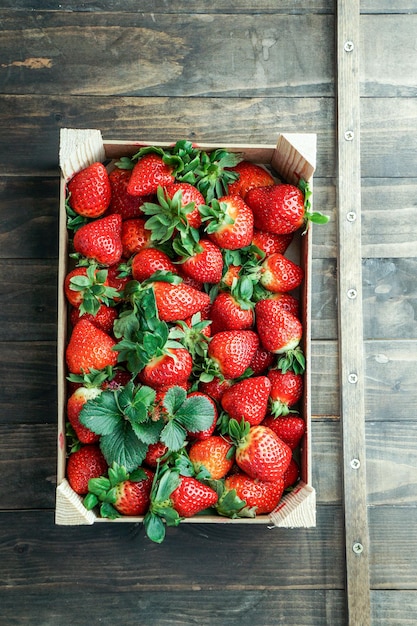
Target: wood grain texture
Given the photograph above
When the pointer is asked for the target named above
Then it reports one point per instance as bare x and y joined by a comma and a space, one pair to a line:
165, 55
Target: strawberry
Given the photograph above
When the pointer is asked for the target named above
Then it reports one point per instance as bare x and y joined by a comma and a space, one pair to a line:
150, 260
226, 313
122, 202
100, 240
215, 388
205, 264
88, 288
191, 200
260, 453
89, 191
286, 390
75, 403
263, 496
286, 301
214, 454
135, 236
290, 428
232, 351
279, 331
117, 279
262, 360
86, 463
89, 348
229, 222
154, 454
277, 208
247, 399
177, 302
148, 174
132, 497
204, 434
171, 368
292, 474
231, 275
192, 496
279, 274
103, 319
269, 243
251, 175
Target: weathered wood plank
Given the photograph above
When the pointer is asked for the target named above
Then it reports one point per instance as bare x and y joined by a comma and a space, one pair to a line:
29, 224
148, 54
277, 558
394, 607
393, 547
241, 607
352, 396
31, 124
390, 298
177, 6
28, 375
390, 371
28, 293
388, 67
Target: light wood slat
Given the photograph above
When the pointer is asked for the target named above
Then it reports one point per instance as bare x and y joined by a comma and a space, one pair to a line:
350, 313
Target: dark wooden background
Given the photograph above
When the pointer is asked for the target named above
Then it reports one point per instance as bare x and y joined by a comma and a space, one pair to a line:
221, 71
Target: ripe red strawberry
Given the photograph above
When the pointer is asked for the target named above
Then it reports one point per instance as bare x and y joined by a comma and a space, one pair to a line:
264, 496
270, 243
205, 264
191, 200
251, 175
154, 454
148, 174
171, 368
232, 351
201, 435
286, 301
279, 331
86, 463
277, 208
117, 280
292, 474
89, 348
229, 222
177, 302
90, 191
260, 453
132, 497
122, 202
135, 236
191, 497
150, 260
215, 454
247, 399
289, 428
279, 274
103, 319
231, 273
226, 313
261, 361
286, 390
75, 403
100, 240
215, 388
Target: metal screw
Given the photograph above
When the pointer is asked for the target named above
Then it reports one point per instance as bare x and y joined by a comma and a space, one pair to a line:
357, 547
351, 216
349, 135
351, 294
348, 46
353, 378
355, 464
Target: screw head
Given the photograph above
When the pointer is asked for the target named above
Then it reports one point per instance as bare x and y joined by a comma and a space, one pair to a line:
351, 294
353, 378
357, 547
355, 464
349, 135
348, 47
351, 216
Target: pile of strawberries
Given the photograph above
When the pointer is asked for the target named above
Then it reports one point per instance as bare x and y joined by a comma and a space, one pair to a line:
184, 360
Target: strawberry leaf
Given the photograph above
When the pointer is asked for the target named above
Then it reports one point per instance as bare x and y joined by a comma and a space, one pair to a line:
123, 447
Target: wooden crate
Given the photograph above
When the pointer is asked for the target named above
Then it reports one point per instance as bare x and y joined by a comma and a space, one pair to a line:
292, 159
